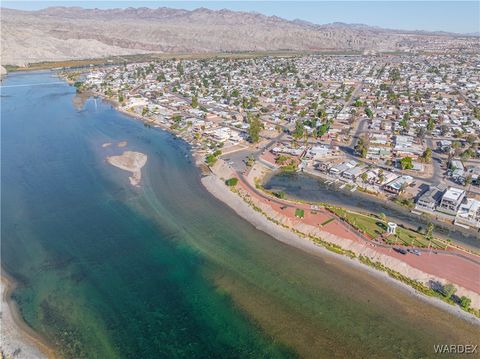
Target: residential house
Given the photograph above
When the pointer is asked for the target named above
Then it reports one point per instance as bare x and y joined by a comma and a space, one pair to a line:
429, 200
451, 201
398, 185
469, 213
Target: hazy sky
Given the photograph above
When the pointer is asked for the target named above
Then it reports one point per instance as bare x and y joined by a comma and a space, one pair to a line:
454, 16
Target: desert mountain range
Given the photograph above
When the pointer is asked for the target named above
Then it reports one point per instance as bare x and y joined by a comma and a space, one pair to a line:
63, 33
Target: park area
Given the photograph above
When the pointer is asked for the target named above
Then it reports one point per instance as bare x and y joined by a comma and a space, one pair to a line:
376, 228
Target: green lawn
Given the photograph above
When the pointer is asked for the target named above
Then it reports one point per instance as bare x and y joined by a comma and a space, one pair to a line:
299, 213
375, 227
327, 221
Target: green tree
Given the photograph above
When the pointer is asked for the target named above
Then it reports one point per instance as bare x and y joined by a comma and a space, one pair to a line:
279, 194
471, 139
476, 112
299, 129
364, 177
362, 146
405, 122
468, 180
429, 233
369, 112
180, 69
323, 129
231, 182
448, 290
281, 160
406, 163
394, 74
468, 153
358, 103
78, 85
430, 124
383, 217
250, 160
465, 302
211, 159
427, 155
194, 101
421, 132
254, 130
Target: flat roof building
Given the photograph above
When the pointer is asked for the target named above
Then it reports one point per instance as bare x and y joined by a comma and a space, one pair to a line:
451, 200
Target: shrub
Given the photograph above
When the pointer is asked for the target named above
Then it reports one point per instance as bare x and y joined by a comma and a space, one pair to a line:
465, 302
231, 181
300, 213
280, 194
211, 159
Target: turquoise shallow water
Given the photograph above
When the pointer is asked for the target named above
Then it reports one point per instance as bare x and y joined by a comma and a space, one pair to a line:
106, 270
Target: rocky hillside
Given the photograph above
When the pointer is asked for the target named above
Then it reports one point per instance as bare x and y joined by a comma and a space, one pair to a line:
61, 33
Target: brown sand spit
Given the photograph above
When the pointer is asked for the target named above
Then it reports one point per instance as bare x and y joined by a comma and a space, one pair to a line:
132, 162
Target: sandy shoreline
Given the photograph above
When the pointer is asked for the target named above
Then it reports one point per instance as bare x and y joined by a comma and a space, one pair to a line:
219, 190
18, 340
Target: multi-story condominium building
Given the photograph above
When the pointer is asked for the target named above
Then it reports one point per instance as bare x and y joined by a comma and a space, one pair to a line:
451, 200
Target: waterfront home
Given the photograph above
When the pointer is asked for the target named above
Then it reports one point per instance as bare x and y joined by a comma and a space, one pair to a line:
429, 200
318, 152
342, 167
288, 150
135, 102
220, 134
354, 173
372, 176
323, 166
451, 200
398, 185
469, 213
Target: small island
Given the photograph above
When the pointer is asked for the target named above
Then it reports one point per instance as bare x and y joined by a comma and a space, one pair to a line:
132, 162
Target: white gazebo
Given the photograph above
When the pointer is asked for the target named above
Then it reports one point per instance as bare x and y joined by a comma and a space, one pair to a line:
392, 227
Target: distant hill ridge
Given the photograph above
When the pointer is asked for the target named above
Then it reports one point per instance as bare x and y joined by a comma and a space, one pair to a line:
61, 33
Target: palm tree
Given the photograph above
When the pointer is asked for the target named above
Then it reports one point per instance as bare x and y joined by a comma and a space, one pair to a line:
383, 217
429, 234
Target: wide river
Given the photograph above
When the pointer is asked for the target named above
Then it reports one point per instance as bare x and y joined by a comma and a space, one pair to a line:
106, 270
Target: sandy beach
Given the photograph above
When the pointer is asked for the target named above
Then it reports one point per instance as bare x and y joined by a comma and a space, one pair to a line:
218, 189
132, 162
18, 340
